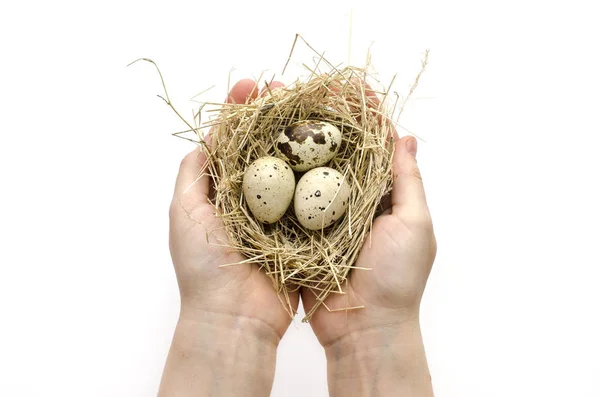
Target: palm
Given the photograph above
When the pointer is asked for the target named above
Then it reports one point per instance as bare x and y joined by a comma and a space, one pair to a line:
393, 254
199, 250
400, 252
197, 239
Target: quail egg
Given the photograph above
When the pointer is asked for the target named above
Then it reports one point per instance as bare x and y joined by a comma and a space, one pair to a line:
308, 144
322, 197
268, 187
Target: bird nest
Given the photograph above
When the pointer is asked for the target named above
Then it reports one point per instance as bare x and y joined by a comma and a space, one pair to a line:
291, 255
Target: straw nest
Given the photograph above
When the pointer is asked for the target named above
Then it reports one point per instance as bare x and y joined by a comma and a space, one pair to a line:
291, 255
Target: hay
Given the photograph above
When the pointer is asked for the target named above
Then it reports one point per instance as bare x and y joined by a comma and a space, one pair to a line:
292, 256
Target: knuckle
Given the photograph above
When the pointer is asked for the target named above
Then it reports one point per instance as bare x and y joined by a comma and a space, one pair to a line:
408, 169
187, 160
416, 173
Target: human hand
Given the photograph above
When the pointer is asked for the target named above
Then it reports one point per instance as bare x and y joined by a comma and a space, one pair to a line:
379, 348
231, 318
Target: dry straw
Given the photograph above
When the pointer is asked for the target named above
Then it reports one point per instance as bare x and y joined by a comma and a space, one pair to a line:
292, 256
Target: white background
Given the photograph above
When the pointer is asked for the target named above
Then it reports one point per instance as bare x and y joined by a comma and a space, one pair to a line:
508, 113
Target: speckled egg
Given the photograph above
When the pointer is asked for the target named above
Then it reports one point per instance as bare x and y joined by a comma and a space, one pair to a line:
268, 187
321, 198
308, 144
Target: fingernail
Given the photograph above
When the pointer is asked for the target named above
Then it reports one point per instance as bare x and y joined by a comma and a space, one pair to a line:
411, 146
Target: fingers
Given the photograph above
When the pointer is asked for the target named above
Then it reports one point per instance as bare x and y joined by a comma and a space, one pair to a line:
192, 179
246, 90
353, 91
271, 87
372, 100
243, 91
408, 194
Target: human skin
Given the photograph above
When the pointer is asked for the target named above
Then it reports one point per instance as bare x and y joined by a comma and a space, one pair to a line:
231, 320
378, 350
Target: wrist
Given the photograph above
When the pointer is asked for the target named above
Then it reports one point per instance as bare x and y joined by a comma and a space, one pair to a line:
383, 360
226, 324
220, 354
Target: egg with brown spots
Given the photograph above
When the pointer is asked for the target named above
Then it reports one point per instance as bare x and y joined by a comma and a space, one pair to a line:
322, 197
268, 187
308, 144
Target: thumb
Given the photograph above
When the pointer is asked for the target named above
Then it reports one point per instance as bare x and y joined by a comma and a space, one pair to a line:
408, 194
192, 184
